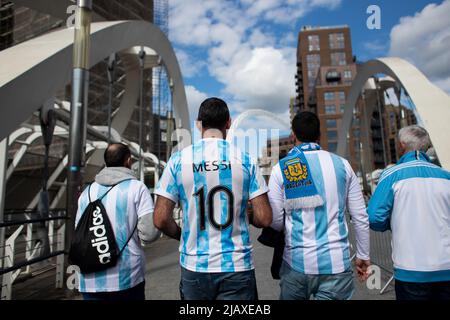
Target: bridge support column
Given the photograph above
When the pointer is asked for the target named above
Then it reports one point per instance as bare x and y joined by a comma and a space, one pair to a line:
78, 112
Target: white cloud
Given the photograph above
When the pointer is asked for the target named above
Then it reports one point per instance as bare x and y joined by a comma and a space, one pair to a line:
424, 40
189, 66
265, 79
256, 69
194, 99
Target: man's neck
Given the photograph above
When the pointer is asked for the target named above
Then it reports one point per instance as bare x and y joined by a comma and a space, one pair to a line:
213, 134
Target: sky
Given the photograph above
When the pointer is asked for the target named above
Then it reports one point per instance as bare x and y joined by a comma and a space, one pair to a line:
245, 51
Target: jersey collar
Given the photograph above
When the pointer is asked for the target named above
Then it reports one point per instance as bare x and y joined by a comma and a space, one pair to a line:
414, 156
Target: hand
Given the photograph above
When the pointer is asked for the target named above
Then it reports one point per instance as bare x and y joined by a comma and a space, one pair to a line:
362, 268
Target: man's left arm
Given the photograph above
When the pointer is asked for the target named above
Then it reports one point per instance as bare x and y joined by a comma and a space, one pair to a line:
357, 209
146, 229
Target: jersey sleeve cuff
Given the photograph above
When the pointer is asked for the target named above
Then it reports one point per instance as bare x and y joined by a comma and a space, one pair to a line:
258, 193
166, 195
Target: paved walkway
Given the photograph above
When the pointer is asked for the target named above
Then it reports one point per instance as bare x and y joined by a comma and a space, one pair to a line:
163, 273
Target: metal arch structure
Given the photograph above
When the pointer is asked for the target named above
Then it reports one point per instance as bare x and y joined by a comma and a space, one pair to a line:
252, 113
43, 69
431, 103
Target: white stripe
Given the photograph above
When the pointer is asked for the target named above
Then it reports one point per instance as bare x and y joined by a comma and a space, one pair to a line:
310, 243
332, 199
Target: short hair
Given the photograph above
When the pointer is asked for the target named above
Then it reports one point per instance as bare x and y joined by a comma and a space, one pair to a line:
415, 138
306, 127
116, 154
213, 114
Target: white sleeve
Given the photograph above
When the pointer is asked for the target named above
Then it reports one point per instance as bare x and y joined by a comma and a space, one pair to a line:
167, 185
276, 198
144, 209
360, 219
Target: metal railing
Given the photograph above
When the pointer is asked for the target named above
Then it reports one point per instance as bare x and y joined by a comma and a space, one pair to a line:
380, 251
31, 239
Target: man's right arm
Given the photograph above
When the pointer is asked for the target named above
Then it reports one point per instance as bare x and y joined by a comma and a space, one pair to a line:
380, 206
163, 218
167, 196
276, 198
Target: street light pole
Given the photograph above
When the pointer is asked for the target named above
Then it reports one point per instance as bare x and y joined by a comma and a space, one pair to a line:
78, 112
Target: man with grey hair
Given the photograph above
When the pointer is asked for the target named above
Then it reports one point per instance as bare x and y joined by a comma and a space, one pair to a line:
413, 200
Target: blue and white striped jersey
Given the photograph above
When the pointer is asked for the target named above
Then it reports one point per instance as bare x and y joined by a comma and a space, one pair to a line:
317, 239
124, 204
213, 180
413, 200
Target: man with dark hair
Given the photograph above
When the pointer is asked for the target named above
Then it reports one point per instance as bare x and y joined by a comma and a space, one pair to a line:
130, 208
310, 191
213, 180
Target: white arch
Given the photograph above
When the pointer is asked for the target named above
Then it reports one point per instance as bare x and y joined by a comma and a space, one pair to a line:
34, 71
252, 113
431, 103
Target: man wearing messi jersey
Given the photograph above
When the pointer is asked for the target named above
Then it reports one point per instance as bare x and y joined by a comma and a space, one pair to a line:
213, 181
316, 260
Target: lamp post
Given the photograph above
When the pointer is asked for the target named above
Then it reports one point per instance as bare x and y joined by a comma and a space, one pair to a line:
78, 111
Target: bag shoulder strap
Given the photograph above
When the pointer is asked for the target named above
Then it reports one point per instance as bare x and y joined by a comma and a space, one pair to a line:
129, 238
104, 195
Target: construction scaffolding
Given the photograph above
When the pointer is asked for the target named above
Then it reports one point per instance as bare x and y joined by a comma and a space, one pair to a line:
161, 88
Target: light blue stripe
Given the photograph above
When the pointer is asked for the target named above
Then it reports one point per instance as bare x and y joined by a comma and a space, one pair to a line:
243, 214
100, 277
225, 179
341, 183
421, 276
321, 218
202, 235
122, 234
298, 260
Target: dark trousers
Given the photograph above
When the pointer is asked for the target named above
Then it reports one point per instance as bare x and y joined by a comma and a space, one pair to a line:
422, 291
218, 286
135, 293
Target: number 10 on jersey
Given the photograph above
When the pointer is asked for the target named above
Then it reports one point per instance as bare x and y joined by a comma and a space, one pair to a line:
208, 201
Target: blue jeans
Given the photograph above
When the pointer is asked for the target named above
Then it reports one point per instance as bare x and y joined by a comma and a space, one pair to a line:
422, 291
218, 286
135, 293
298, 286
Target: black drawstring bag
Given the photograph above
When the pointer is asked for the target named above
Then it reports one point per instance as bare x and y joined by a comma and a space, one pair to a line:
94, 246
274, 239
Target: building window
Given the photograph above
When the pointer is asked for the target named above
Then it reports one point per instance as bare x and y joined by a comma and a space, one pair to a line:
338, 59
313, 65
342, 96
356, 133
330, 109
337, 41
332, 147
314, 43
329, 96
332, 135
332, 124
348, 74
342, 108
